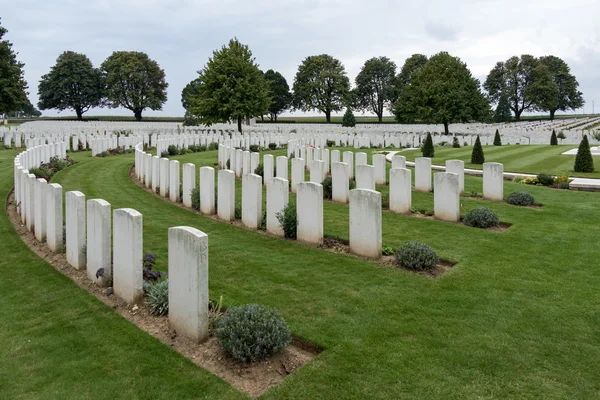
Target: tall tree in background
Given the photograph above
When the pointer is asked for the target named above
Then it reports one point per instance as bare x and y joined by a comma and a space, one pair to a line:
280, 93
26, 110
404, 78
230, 87
134, 81
72, 83
523, 80
502, 113
13, 88
375, 86
564, 94
443, 91
321, 84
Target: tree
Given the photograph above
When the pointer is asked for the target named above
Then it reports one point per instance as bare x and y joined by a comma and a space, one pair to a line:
497, 140
523, 80
584, 161
404, 78
442, 92
502, 113
321, 84
348, 120
134, 81
375, 85
13, 87
428, 149
477, 156
280, 93
27, 110
561, 136
553, 139
230, 87
564, 94
72, 83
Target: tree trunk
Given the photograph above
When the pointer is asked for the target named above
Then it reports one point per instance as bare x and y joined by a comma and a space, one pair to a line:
138, 114
79, 114
518, 116
552, 115
380, 117
446, 130
328, 116
240, 124
275, 117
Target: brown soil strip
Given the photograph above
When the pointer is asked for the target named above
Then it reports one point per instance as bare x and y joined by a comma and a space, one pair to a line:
253, 379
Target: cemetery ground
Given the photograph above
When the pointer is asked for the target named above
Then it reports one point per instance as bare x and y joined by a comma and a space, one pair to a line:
515, 318
531, 159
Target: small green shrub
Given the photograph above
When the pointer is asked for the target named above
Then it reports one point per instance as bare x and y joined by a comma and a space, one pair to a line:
387, 251
330, 143
288, 221
563, 185
164, 154
428, 150
584, 161
455, 143
348, 120
417, 256
254, 148
553, 139
520, 198
545, 179
327, 188
481, 217
260, 170
196, 198
252, 333
172, 150
202, 148
228, 164
263, 221
213, 146
272, 146
238, 211
158, 298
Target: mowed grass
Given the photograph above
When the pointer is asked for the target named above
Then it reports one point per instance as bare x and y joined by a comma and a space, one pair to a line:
516, 318
532, 159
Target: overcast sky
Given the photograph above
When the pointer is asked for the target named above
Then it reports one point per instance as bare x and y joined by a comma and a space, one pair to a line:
181, 35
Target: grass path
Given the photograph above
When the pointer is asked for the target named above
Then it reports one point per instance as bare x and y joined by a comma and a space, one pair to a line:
516, 318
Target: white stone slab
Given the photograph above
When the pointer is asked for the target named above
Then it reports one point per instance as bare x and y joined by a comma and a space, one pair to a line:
309, 210
127, 258
75, 229
400, 190
446, 197
365, 223
98, 247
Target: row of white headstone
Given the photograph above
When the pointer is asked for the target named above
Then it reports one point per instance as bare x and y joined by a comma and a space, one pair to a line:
88, 244
163, 175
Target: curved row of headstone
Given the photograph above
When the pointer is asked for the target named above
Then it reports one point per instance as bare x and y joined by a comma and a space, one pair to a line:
163, 176
87, 243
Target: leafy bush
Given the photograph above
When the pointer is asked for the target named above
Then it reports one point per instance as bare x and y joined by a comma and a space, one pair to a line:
172, 150
202, 147
263, 221
481, 217
260, 169
252, 333
238, 211
584, 161
228, 164
288, 221
428, 149
561, 135
477, 156
330, 143
196, 198
417, 256
553, 139
455, 143
49, 169
561, 178
387, 251
348, 119
518, 179
272, 146
563, 185
545, 179
497, 140
158, 298
254, 148
327, 188
213, 146
520, 198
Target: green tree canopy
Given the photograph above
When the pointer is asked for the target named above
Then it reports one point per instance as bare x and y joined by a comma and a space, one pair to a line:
321, 84
375, 85
348, 120
442, 92
523, 80
280, 93
503, 113
72, 83
230, 87
134, 81
404, 78
13, 88
563, 95
26, 110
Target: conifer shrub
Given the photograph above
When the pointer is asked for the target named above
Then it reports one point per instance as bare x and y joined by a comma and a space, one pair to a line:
428, 149
348, 119
553, 139
477, 156
584, 161
455, 143
497, 140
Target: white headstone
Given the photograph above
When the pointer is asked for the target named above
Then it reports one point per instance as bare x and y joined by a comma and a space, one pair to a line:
226, 194
252, 200
127, 257
423, 174
309, 210
98, 247
446, 197
365, 223
365, 177
493, 181
75, 229
277, 200
207, 190
400, 190
54, 217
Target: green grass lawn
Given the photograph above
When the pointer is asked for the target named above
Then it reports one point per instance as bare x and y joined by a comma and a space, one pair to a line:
517, 317
532, 159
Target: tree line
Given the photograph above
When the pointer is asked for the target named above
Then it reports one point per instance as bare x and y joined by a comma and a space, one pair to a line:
232, 87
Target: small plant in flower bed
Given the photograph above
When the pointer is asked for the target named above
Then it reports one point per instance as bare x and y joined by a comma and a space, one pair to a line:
213, 146
272, 146
49, 169
157, 298
545, 179
330, 143
417, 256
288, 221
149, 273
327, 188
520, 198
173, 150
387, 251
238, 211
196, 198
252, 333
254, 148
215, 313
481, 217
119, 150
